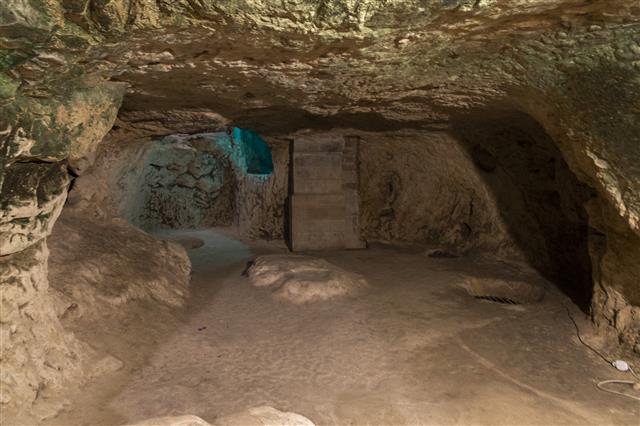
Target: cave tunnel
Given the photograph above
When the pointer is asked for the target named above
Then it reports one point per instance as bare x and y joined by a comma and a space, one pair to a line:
322, 213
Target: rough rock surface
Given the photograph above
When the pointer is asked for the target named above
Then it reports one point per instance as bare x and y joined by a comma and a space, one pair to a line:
302, 279
261, 200
613, 310
182, 182
258, 416
264, 416
95, 267
32, 199
423, 186
38, 355
173, 421
113, 186
39, 136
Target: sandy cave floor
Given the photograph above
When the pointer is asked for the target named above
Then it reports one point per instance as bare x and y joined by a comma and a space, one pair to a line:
416, 349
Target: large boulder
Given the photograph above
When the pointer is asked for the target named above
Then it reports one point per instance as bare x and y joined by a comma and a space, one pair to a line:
186, 420
301, 279
264, 416
258, 416
95, 266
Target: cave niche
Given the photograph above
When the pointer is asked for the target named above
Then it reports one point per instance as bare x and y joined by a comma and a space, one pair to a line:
538, 197
192, 181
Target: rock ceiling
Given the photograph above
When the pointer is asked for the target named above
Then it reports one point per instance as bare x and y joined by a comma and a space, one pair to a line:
282, 65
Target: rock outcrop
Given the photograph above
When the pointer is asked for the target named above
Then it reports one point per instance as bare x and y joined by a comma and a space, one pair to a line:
264, 416
95, 267
38, 355
302, 279
40, 137
258, 416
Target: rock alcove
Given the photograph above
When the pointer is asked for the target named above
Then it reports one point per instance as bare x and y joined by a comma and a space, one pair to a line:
491, 133
191, 181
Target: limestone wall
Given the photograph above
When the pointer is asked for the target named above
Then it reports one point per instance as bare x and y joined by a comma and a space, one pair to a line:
424, 187
38, 357
181, 183
123, 182
261, 199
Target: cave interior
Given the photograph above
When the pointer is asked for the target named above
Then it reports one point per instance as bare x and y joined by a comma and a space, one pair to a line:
325, 212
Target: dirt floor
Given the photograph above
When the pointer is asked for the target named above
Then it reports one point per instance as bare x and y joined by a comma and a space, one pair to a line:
415, 349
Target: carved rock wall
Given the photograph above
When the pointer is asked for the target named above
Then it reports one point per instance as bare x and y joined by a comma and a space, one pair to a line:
41, 137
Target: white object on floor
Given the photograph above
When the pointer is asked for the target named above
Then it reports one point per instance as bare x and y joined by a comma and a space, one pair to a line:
620, 365
173, 421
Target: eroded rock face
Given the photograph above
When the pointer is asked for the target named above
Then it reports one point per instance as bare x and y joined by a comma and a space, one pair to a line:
182, 186
540, 200
38, 356
95, 266
302, 279
39, 135
32, 198
139, 180
423, 186
261, 200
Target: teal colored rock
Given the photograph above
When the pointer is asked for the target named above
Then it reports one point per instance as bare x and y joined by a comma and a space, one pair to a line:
255, 153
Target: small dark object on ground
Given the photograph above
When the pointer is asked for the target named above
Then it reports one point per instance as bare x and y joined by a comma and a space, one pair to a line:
245, 272
498, 299
441, 254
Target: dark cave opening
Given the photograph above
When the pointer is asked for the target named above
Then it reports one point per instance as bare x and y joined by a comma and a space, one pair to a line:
539, 198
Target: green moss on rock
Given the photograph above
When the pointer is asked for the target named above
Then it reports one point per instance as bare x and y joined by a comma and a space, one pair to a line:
70, 124
8, 86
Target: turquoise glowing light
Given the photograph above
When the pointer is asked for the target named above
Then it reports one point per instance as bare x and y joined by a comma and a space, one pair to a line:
255, 152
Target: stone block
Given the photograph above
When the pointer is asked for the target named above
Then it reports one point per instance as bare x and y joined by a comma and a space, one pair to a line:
317, 173
325, 143
317, 221
324, 201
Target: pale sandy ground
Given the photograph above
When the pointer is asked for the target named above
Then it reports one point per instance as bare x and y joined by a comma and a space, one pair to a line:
416, 349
